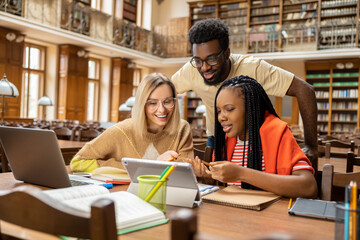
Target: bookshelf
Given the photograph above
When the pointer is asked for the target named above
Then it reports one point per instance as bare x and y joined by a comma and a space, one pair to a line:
265, 18
296, 15
129, 10
338, 24
284, 25
336, 85
234, 14
191, 101
200, 10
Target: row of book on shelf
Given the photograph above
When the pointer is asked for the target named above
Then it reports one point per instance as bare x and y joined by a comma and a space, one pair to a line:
337, 127
334, 3
336, 74
347, 93
338, 105
337, 117
352, 93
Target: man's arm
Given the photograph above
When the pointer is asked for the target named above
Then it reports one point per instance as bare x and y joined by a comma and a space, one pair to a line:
305, 95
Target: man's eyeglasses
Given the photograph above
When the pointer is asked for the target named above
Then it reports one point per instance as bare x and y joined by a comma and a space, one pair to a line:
210, 60
153, 104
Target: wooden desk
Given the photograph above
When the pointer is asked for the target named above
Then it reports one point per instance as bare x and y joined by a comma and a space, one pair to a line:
222, 222
69, 149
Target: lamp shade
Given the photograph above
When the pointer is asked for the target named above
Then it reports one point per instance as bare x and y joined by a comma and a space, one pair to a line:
201, 109
123, 107
45, 101
130, 102
7, 88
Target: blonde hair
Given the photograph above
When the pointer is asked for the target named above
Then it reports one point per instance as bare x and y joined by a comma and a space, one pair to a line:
145, 88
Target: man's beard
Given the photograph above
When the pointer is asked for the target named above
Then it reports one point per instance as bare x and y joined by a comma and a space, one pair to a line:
216, 79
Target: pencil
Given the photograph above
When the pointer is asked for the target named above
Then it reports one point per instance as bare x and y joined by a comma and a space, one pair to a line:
206, 163
174, 158
158, 184
353, 206
290, 203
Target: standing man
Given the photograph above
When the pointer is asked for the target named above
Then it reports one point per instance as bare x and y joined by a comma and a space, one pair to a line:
212, 63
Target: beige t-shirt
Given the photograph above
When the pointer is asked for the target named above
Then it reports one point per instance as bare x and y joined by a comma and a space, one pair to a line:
275, 81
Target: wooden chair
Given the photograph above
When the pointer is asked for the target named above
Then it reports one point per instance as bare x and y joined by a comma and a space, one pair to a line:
200, 146
205, 154
340, 144
28, 207
64, 133
87, 134
351, 160
184, 226
333, 183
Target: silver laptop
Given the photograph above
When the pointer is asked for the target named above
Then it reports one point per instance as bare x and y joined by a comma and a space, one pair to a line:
182, 187
35, 157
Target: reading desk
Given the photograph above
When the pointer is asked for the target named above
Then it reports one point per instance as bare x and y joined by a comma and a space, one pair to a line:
222, 222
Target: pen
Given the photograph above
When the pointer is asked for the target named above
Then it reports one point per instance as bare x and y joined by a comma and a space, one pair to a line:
346, 214
174, 157
158, 184
290, 203
117, 182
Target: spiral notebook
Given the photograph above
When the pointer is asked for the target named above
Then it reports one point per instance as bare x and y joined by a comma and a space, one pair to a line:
242, 198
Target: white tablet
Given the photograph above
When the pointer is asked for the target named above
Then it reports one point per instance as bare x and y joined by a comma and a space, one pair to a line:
182, 187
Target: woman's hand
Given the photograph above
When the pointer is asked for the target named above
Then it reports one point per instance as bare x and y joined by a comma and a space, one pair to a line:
168, 155
225, 171
199, 168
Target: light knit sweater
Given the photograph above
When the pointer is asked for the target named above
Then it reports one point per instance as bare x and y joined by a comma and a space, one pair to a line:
121, 141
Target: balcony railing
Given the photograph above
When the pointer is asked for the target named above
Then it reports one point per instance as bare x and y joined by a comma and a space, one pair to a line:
79, 18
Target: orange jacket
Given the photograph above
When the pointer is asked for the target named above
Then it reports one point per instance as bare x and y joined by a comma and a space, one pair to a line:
279, 146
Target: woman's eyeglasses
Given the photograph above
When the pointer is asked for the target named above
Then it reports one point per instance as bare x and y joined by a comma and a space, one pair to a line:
153, 104
210, 60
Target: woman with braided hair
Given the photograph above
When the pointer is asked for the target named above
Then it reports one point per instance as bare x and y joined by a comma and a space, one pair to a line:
253, 147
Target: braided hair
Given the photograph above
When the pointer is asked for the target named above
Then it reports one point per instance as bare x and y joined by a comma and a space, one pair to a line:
256, 103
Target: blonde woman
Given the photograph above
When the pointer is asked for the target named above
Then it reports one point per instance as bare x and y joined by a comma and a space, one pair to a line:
154, 131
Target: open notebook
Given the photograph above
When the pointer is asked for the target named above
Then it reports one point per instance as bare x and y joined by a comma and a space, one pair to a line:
243, 198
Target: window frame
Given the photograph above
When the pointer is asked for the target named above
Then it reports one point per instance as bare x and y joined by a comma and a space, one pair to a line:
97, 81
42, 79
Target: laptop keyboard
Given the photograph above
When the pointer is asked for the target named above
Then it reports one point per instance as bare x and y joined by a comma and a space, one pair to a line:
78, 183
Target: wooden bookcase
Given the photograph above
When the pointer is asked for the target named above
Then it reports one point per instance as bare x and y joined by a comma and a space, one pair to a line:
336, 86
268, 24
129, 10
191, 101
339, 17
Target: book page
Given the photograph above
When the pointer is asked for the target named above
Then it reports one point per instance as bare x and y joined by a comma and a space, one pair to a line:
110, 173
76, 192
130, 210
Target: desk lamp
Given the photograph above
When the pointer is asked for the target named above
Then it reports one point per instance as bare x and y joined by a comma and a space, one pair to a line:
7, 89
45, 101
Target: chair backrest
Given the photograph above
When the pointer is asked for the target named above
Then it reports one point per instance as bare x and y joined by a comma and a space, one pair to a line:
28, 207
200, 146
332, 181
87, 134
351, 160
64, 133
347, 146
205, 154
